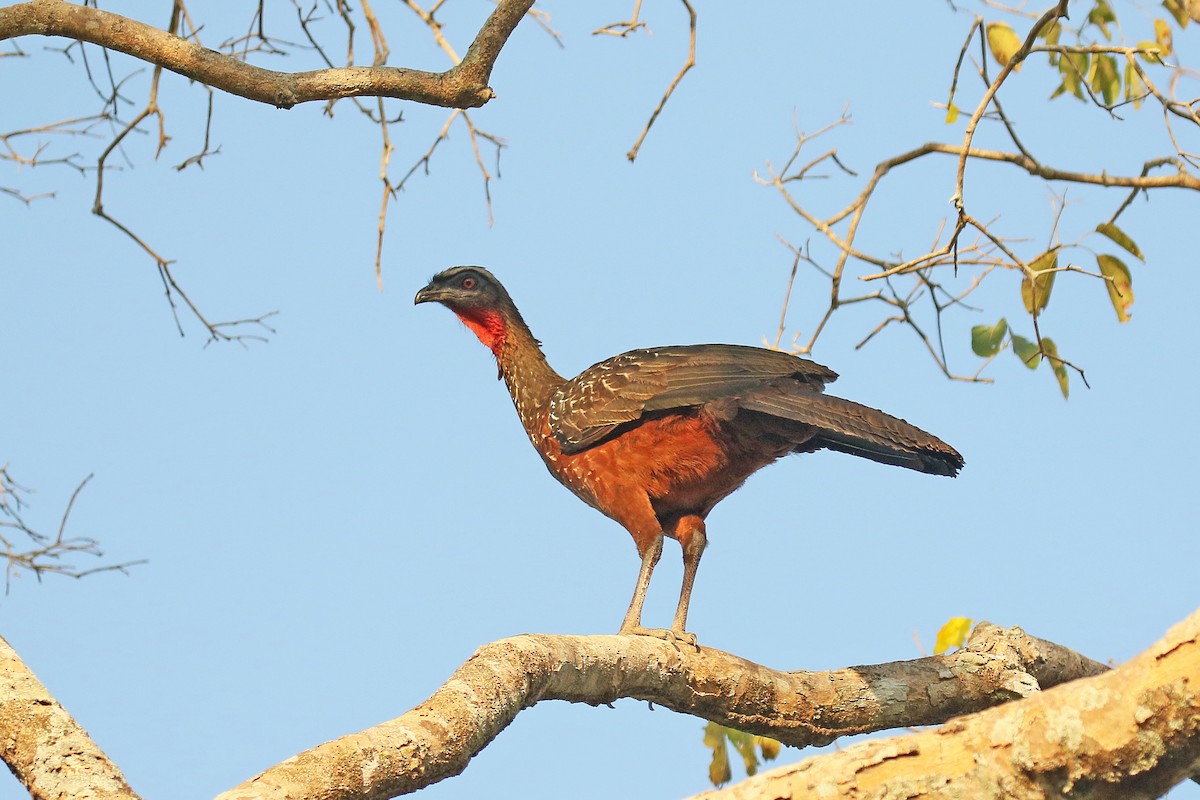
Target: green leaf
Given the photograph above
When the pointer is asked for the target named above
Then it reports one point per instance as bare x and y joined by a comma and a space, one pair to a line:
747, 745
718, 769
1073, 67
1050, 33
1177, 11
1027, 351
744, 744
1152, 54
1120, 238
1035, 292
1060, 371
986, 339
1003, 42
952, 634
1135, 87
951, 114
1119, 283
1105, 80
1101, 16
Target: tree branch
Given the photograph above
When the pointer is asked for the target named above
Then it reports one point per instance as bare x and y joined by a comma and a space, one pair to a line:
462, 86
45, 748
45, 555
1131, 733
438, 738
688, 63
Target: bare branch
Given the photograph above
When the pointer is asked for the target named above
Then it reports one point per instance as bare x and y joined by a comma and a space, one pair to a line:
48, 554
1014, 61
687, 65
623, 29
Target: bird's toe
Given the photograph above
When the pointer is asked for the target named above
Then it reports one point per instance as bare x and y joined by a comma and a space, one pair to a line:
675, 637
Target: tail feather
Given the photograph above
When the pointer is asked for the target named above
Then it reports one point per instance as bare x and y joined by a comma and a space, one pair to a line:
858, 430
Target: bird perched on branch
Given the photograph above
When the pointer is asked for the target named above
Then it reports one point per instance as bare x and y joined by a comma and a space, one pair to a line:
655, 438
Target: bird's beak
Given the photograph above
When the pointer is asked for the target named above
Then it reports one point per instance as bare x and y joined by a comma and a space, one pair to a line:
430, 294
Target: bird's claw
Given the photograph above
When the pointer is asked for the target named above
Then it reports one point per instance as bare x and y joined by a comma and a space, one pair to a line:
674, 637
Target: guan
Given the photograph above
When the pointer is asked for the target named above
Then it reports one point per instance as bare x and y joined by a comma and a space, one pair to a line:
655, 438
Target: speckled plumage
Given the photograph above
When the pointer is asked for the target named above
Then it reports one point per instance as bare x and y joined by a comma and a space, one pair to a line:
655, 438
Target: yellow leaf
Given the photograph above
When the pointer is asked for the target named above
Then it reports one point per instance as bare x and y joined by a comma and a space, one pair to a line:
953, 634
1060, 370
1162, 35
1035, 291
1177, 11
1119, 283
770, 748
1004, 42
951, 114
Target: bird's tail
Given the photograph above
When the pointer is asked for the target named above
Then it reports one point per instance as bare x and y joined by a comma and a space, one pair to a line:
849, 427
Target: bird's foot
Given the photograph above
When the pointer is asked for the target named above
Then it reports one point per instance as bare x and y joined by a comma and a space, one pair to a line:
673, 636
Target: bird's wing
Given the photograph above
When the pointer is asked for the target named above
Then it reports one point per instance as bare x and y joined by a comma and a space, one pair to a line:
856, 429
623, 388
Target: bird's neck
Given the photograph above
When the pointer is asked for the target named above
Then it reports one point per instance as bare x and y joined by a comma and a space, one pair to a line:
530, 379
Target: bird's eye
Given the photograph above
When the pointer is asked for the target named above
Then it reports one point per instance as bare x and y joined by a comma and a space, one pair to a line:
468, 283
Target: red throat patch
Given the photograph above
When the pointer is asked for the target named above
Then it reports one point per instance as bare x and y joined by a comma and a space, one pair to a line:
487, 325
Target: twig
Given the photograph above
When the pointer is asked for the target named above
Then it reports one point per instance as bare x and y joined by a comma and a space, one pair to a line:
687, 65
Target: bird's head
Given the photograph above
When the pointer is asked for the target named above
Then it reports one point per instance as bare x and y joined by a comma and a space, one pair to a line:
478, 299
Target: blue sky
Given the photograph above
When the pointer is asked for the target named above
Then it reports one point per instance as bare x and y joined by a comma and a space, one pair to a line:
334, 520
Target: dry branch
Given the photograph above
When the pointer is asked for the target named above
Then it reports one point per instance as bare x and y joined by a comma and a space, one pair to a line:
437, 739
463, 86
25, 549
688, 63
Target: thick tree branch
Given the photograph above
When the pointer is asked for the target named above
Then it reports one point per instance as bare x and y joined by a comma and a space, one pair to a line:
437, 739
462, 86
1131, 733
46, 749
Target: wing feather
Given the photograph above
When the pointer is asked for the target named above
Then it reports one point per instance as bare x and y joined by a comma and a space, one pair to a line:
621, 389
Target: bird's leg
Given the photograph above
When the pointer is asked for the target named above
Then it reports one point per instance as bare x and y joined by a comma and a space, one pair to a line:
690, 533
650, 556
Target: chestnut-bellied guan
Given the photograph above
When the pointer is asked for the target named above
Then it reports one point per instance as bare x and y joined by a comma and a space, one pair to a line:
655, 438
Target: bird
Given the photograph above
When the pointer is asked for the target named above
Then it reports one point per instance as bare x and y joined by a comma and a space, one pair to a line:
654, 438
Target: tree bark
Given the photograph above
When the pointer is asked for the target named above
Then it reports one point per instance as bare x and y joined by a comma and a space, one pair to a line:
437, 739
45, 748
1131, 733
463, 86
